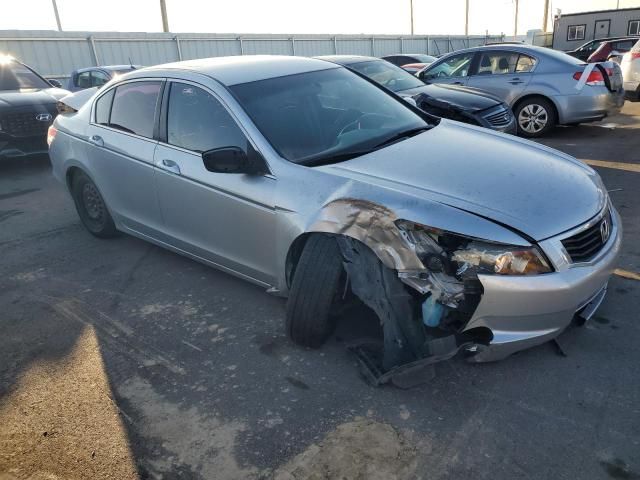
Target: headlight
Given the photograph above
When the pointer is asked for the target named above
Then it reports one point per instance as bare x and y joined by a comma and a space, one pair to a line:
491, 258
463, 256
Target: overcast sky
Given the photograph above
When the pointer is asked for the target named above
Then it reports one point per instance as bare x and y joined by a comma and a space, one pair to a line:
290, 16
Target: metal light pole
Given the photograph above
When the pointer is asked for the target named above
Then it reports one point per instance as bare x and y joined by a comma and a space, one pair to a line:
55, 12
163, 12
545, 18
411, 6
515, 23
466, 18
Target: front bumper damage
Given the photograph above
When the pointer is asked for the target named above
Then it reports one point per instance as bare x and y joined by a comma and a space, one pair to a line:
437, 316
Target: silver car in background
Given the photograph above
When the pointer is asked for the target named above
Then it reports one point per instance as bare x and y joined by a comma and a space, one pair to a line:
630, 66
544, 87
307, 179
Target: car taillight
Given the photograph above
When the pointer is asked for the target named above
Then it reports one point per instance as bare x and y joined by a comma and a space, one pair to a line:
635, 55
51, 134
595, 77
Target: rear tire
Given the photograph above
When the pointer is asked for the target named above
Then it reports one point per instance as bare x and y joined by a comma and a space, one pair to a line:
315, 292
91, 207
535, 116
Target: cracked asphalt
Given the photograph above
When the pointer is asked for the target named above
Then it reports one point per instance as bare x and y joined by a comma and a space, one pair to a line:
122, 360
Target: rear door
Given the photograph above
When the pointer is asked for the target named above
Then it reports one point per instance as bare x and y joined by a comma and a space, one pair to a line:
503, 73
225, 218
453, 70
120, 152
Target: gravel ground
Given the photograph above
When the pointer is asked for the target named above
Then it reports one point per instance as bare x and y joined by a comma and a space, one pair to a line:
122, 360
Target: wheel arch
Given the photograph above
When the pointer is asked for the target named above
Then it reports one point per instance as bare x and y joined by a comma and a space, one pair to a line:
367, 222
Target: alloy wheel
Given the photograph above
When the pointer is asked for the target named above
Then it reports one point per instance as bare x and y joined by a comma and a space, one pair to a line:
533, 118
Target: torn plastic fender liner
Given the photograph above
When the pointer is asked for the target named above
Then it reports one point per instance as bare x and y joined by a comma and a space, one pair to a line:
381, 290
373, 225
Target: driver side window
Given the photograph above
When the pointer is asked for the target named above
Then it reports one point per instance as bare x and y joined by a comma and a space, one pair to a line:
198, 122
456, 66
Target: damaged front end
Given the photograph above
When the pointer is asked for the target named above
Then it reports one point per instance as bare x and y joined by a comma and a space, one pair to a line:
427, 322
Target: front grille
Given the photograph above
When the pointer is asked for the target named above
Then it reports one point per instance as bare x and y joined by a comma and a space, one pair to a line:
24, 124
501, 118
583, 246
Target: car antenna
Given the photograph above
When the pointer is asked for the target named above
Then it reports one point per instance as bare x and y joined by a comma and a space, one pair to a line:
131, 64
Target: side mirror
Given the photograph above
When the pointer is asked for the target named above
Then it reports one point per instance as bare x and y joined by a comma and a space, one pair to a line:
234, 160
54, 83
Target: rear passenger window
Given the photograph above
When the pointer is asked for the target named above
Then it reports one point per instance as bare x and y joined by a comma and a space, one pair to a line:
197, 121
525, 63
103, 108
497, 63
134, 107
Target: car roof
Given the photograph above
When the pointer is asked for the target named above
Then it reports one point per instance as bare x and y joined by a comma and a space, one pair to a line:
405, 55
347, 59
617, 39
243, 68
109, 68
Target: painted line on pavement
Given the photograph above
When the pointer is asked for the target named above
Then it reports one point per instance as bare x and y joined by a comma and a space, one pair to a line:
629, 167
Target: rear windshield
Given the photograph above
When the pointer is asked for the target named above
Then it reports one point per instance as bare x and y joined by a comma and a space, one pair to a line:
563, 57
15, 76
424, 58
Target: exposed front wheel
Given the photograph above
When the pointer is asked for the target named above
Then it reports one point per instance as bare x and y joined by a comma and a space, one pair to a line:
91, 207
315, 292
535, 117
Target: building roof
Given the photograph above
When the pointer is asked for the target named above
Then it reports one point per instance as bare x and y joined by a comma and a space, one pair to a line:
598, 11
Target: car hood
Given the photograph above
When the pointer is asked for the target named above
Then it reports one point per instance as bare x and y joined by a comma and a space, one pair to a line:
465, 98
533, 189
21, 98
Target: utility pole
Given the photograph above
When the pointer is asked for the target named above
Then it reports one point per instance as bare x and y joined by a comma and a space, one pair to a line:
515, 23
163, 12
466, 18
55, 12
545, 18
411, 6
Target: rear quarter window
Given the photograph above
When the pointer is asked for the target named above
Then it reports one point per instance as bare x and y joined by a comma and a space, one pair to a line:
103, 107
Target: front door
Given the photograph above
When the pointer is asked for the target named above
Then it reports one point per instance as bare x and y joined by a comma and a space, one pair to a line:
225, 218
504, 74
121, 151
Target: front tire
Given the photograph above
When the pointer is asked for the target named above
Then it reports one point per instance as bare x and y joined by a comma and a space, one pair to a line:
315, 292
91, 207
535, 116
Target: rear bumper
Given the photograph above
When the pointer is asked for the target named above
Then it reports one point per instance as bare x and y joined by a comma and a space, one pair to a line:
591, 104
522, 312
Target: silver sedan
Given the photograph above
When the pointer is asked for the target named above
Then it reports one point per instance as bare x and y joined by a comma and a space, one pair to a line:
317, 184
544, 87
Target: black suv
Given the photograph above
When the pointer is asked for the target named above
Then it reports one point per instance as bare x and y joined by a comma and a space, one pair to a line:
27, 108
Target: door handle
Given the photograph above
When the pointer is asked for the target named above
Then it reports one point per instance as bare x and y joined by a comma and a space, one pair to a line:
170, 166
515, 81
96, 140
457, 83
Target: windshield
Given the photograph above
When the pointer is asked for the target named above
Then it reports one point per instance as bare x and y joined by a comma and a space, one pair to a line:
388, 75
325, 116
15, 76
